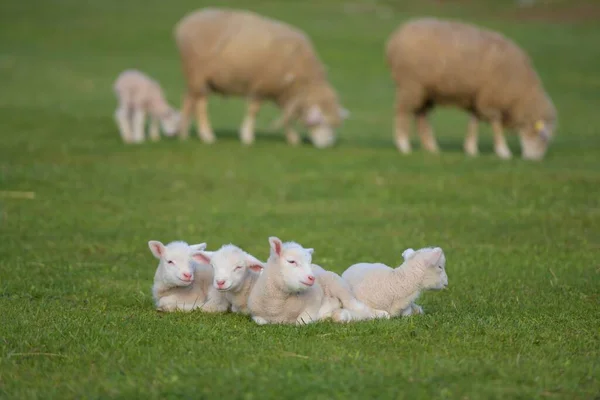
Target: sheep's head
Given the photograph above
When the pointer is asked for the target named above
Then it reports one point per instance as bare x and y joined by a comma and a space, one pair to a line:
536, 137
321, 112
176, 261
170, 121
231, 267
433, 262
294, 262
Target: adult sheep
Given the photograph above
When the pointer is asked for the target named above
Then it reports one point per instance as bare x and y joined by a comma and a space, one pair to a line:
446, 62
240, 53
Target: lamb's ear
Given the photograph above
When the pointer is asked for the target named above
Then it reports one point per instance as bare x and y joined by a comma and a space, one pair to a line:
198, 247
408, 253
314, 116
310, 251
276, 245
201, 257
157, 248
254, 263
434, 256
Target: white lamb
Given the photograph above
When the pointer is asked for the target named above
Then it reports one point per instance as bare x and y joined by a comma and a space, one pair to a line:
235, 273
395, 290
182, 281
138, 96
286, 292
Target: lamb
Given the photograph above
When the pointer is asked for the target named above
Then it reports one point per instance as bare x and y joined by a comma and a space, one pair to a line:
395, 290
235, 273
287, 292
139, 95
182, 281
434, 61
240, 53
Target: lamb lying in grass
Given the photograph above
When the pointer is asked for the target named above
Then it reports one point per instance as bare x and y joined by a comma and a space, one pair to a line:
182, 281
235, 273
287, 292
139, 95
395, 290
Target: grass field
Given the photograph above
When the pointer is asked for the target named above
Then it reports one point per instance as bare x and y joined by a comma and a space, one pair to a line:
520, 320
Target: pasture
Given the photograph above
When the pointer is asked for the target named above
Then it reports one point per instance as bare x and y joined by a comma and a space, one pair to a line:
521, 316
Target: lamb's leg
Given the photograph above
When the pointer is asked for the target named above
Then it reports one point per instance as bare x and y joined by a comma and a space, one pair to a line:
139, 117
412, 309
260, 320
122, 118
205, 131
403, 122
426, 134
186, 113
500, 146
470, 145
216, 303
247, 129
154, 129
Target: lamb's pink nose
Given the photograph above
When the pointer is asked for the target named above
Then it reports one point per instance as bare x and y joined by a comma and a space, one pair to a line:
220, 283
311, 278
187, 276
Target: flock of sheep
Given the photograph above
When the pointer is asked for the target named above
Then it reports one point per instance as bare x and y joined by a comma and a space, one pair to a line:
432, 62
288, 288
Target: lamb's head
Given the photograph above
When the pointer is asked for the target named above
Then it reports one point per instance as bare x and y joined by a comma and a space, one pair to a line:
170, 121
433, 262
294, 262
231, 266
176, 261
535, 136
321, 112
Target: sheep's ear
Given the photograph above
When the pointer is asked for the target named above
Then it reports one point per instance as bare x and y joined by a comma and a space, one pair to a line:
344, 113
542, 129
157, 248
254, 263
198, 247
434, 256
314, 116
201, 257
276, 245
408, 253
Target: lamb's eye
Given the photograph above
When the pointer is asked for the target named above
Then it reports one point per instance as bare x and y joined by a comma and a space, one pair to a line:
171, 262
238, 268
440, 267
291, 261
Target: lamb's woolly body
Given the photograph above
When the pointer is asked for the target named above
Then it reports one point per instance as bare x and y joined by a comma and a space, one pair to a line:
170, 294
140, 96
241, 53
239, 298
444, 62
395, 290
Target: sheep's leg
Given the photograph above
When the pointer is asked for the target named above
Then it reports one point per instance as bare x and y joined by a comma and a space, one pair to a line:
205, 131
139, 117
186, 113
500, 146
426, 134
292, 136
154, 129
122, 118
470, 145
247, 129
412, 309
403, 122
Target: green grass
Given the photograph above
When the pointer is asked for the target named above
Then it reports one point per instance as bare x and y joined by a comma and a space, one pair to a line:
521, 318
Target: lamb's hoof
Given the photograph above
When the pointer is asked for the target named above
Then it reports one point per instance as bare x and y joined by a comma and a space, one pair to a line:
342, 316
260, 321
382, 314
417, 310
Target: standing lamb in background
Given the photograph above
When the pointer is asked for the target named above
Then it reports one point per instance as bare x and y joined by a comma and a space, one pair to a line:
182, 282
395, 290
241, 53
451, 63
287, 292
235, 273
139, 95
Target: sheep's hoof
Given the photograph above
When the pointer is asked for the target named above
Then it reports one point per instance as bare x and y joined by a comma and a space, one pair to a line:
472, 151
504, 153
382, 314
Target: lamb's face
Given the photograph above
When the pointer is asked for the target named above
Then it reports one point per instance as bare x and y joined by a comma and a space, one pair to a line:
535, 139
170, 122
176, 261
231, 267
435, 269
295, 264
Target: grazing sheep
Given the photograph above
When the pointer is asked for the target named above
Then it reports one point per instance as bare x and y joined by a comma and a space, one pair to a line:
395, 290
139, 95
241, 53
335, 287
182, 281
433, 61
235, 273
287, 292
